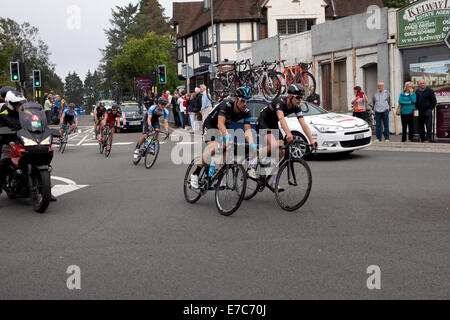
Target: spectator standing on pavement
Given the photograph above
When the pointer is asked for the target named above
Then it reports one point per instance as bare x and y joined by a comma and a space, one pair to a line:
407, 102
382, 107
206, 103
194, 109
426, 102
176, 113
48, 107
359, 103
181, 101
313, 97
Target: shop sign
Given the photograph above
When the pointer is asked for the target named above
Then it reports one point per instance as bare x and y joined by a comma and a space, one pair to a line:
423, 22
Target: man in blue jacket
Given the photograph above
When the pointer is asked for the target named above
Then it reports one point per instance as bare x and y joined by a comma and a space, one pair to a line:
426, 102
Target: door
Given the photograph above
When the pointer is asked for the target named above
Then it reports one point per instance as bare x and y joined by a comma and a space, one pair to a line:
326, 86
370, 80
340, 87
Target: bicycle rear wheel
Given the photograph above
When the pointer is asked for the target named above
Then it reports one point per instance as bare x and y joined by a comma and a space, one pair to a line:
230, 189
293, 184
152, 154
217, 90
192, 195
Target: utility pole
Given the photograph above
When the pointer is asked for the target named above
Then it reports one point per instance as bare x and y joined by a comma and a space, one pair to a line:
213, 33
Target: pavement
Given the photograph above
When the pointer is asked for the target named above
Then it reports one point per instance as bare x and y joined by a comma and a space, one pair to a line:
133, 235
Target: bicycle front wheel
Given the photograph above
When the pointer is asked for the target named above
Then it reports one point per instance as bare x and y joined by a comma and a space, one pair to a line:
108, 146
152, 154
62, 145
271, 86
230, 189
293, 184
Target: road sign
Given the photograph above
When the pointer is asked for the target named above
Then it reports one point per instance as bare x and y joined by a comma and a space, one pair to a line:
447, 39
187, 71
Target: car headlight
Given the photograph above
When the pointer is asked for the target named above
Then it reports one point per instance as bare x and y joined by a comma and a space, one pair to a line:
47, 141
328, 129
28, 142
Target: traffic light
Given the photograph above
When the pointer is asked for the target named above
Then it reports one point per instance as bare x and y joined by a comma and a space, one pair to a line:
37, 78
162, 74
15, 71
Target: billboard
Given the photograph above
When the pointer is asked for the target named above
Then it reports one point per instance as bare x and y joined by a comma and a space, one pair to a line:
423, 22
436, 75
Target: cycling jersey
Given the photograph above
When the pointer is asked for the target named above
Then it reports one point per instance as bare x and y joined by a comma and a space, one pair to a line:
155, 113
111, 118
268, 118
100, 112
226, 109
69, 117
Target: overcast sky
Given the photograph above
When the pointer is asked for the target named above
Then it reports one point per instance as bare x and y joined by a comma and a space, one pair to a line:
72, 49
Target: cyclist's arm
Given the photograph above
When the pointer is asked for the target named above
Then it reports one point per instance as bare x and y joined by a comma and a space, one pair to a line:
149, 121
221, 126
306, 130
95, 117
248, 134
62, 118
118, 121
283, 123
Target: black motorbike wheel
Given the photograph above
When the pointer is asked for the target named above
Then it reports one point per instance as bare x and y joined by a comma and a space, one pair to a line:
41, 198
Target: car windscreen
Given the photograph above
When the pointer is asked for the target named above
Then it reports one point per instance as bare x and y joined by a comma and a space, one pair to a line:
256, 107
310, 109
131, 108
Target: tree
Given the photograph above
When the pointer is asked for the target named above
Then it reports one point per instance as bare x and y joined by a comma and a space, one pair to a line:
73, 89
396, 3
140, 56
14, 39
124, 26
151, 18
91, 89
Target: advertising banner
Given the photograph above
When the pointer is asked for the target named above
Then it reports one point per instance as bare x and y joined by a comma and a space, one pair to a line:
443, 121
436, 75
423, 22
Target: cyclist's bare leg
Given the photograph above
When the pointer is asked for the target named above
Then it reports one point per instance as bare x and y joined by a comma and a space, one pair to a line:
210, 151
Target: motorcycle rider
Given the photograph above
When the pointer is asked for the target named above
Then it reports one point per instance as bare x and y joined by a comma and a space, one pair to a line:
9, 118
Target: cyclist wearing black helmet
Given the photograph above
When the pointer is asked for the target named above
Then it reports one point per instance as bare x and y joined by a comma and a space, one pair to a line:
151, 122
221, 117
69, 117
276, 112
112, 118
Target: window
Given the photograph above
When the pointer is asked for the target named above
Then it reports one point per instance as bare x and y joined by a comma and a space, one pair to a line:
200, 40
180, 50
293, 26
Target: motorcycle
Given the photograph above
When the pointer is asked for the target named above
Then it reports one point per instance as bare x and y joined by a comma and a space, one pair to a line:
29, 171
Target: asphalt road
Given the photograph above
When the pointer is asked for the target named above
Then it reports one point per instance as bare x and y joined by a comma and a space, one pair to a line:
135, 237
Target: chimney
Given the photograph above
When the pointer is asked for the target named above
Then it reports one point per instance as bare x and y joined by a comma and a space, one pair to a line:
206, 4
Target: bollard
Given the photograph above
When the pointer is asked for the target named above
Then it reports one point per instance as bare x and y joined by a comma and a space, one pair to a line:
416, 137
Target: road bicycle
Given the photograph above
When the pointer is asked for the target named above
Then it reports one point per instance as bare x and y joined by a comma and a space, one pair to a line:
64, 138
106, 144
229, 183
262, 81
293, 179
297, 74
149, 150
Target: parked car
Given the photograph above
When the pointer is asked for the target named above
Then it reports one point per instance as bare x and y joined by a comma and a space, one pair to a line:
334, 132
132, 115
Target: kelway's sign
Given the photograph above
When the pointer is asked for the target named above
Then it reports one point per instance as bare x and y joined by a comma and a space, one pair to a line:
423, 22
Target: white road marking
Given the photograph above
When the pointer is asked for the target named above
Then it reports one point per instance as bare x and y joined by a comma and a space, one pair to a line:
61, 189
82, 140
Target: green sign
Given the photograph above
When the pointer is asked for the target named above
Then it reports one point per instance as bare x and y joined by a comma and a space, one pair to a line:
423, 22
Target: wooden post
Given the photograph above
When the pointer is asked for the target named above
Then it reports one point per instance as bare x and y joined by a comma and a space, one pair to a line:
332, 83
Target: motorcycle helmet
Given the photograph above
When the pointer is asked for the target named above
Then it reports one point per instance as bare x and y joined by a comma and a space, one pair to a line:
13, 99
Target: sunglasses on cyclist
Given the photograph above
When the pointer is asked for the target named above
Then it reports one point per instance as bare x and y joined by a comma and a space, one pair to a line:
298, 97
244, 101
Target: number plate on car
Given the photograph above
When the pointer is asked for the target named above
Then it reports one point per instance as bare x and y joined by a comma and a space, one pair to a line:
135, 123
359, 136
